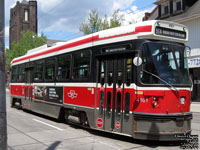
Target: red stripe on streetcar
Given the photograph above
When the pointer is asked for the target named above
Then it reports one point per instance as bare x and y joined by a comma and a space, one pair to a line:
70, 45
116, 36
143, 29
147, 28
137, 30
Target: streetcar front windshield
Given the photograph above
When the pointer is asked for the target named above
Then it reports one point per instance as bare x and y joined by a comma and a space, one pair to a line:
167, 61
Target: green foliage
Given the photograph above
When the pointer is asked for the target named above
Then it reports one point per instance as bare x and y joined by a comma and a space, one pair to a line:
94, 23
29, 40
116, 19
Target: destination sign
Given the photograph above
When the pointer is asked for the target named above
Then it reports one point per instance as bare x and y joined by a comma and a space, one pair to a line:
170, 33
118, 48
114, 49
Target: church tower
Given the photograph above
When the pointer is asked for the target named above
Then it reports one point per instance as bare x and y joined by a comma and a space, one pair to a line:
23, 17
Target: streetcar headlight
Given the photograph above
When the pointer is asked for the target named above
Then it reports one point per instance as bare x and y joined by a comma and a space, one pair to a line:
182, 100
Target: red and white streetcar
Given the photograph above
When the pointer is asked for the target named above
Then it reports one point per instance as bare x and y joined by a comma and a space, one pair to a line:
130, 80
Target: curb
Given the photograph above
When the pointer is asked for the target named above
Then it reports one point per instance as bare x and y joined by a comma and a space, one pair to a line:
195, 102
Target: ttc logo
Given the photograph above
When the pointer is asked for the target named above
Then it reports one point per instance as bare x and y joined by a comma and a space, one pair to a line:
72, 94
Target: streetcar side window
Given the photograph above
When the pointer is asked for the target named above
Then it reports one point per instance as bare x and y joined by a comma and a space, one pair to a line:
110, 72
81, 67
127, 106
63, 69
38, 71
108, 107
14, 74
101, 103
119, 72
50, 69
118, 110
21, 74
102, 73
128, 71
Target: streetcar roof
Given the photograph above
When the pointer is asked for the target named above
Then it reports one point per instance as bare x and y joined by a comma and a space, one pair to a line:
134, 31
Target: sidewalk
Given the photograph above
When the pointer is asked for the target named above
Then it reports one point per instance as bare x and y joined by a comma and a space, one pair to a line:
195, 107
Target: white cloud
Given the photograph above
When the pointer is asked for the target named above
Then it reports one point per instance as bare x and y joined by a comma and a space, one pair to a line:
66, 15
122, 4
46, 5
60, 24
134, 8
134, 15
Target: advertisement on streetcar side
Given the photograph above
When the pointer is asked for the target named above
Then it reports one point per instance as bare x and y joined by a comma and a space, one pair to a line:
50, 94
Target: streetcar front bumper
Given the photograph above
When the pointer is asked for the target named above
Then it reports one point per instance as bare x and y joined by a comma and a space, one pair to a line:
161, 127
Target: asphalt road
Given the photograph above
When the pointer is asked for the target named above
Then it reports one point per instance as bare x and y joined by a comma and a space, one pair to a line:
29, 131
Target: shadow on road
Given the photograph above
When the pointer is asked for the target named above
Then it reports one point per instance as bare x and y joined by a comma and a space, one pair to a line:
54, 145
147, 143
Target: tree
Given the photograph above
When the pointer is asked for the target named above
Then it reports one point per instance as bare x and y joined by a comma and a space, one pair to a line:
116, 19
29, 40
94, 23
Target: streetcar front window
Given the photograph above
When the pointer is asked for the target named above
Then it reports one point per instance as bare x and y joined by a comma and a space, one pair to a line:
166, 61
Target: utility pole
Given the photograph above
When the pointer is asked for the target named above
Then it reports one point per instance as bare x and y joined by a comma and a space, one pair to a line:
3, 121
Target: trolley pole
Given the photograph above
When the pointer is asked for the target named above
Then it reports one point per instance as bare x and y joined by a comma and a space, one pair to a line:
3, 121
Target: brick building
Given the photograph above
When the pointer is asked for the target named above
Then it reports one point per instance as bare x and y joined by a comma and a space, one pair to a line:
23, 17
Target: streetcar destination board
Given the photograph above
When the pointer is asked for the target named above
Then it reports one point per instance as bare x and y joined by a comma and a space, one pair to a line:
170, 33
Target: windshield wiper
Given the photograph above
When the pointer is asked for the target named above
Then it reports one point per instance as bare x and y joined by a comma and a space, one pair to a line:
162, 80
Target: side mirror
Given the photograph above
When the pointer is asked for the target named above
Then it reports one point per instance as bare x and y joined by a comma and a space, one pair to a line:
188, 51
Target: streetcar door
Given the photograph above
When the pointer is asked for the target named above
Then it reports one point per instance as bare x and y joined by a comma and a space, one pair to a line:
105, 95
113, 98
28, 88
118, 92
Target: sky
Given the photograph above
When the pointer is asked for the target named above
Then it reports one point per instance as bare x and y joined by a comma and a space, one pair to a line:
60, 19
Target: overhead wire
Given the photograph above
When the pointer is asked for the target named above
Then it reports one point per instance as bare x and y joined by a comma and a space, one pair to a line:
76, 33
51, 9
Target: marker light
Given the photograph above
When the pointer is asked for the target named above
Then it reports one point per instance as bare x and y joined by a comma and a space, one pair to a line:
158, 23
184, 28
182, 100
155, 104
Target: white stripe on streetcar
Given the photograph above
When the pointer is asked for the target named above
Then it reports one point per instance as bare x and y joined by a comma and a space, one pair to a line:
48, 124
